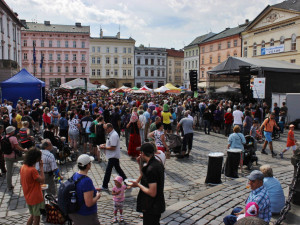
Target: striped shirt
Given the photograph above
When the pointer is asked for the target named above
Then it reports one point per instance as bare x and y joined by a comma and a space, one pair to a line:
49, 162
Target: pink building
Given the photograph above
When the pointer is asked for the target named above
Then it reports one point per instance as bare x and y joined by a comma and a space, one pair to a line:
65, 49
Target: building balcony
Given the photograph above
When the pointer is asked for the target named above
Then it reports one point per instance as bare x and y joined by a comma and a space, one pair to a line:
9, 64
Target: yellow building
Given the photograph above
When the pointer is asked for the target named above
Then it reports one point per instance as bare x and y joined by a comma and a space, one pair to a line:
175, 66
112, 61
274, 33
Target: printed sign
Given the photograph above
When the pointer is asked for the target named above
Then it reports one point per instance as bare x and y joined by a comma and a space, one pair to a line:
272, 50
259, 87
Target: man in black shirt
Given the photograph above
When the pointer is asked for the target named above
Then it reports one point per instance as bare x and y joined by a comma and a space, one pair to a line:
116, 120
35, 116
150, 200
85, 124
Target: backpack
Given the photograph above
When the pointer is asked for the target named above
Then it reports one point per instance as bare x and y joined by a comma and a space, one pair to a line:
92, 127
66, 192
6, 146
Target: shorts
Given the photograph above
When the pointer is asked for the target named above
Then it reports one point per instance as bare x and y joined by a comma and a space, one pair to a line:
94, 141
294, 147
167, 126
86, 138
35, 210
118, 205
74, 135
268, 136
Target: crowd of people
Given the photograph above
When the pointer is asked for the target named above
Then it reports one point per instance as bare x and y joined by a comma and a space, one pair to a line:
97, 121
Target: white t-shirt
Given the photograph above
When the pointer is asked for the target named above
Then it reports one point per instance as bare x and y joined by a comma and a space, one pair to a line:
143, 121
161, 157
237, 116
113, 140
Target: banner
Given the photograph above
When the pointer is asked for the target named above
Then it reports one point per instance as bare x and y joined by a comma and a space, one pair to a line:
259, 87
272, 50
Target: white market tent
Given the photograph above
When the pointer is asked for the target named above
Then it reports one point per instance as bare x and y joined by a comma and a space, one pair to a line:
162, 89
103, 87
78, 83
145, 88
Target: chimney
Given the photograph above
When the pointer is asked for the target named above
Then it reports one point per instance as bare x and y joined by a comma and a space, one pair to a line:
246, 21
23, 22
16, 14
172, 48
118, 35
101, 33
227, 28
78, 24
47, 23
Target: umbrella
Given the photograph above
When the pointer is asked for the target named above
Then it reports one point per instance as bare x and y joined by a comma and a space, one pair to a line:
227, 89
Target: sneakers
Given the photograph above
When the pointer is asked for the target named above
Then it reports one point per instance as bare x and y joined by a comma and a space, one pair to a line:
121, 218
115, 220
104, 189
281, 155
264, 152
274, 154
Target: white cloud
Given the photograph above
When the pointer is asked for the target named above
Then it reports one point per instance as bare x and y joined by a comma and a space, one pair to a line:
161, 23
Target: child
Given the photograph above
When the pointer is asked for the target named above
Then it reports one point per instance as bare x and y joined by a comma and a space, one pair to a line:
291, 142
119, 195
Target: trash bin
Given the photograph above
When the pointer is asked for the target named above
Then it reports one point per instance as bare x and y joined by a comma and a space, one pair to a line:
232, 163
214, 168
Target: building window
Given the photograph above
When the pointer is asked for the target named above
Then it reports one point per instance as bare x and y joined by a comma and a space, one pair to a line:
263, 44
93, 60
66, 44
228, 44
202, 73
93, 72
293, 42
202, 59
193, 52
25, 56
146, 73
93, 49
219, 58
138, 73
50, 43
272, 42
163, 73
50, 56
51, 69
67, 69
293, 60
189, 53
192, 64
25, 43
189, 65
235, 43
129, 71
129, 51
282, 40
74, 69
146, 61
129, 61
107, 72
116, 72
107, 60
124, 60
235, 54
116, 50
98, 72
185, 65
211, 48
210, 59
186, 54
170, 71
83, 57
219, 46
124, 50
74, 57
124, 72
107, 50
116, 60
98, 60
158, 62
83, 69
139, 61
66, 56
254, 49
74, 44
58, 44
245, 52
42, 43
196, 63
58, 56
152, 61
138, 85
82, 44
58, 69
203, 49
196, 51
163, 62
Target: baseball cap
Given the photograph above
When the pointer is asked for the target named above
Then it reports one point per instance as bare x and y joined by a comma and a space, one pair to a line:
10, 129
256, 175
119, 179
84, 159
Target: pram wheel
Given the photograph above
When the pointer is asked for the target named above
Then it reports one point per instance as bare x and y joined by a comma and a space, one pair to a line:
73, 157
250, 166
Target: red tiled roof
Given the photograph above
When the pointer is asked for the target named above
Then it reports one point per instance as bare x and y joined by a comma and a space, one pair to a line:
175, 53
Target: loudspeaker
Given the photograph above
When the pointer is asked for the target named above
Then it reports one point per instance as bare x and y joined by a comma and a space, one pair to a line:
193, 80
245, 77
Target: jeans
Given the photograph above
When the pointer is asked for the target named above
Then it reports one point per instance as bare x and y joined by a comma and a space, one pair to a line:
227, 129
142, 135
151, 219
49, 179
112, 162
231, 219
207, 125
187, 141
10, 166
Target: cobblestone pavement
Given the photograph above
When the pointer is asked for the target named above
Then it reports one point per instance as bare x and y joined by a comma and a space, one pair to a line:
189, 200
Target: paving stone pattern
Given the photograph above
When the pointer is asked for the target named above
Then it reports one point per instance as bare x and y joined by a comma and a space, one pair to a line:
188, 199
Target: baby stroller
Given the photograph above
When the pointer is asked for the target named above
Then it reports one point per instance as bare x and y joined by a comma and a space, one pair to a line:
64, 150
174, 143
249, 152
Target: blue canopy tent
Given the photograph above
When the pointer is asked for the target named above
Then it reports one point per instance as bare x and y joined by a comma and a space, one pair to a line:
24, 85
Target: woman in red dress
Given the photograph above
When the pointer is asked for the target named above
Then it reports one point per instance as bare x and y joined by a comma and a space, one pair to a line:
134, 139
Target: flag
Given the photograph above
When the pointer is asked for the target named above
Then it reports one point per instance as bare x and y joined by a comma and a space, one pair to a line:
34, 57
42, 60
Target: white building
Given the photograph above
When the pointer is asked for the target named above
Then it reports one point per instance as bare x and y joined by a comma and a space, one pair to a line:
10, 53
150, 67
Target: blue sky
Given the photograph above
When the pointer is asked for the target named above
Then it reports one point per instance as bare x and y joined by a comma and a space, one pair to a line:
158, 23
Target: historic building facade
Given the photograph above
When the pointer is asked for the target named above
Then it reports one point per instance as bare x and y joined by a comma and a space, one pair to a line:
191, 57
150, 67
175, 65
217, 49
274, 33
64, 48
112, 61
10, 53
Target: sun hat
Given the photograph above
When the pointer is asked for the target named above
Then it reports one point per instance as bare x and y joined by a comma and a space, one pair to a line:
84, 159
119, 179
251, 209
